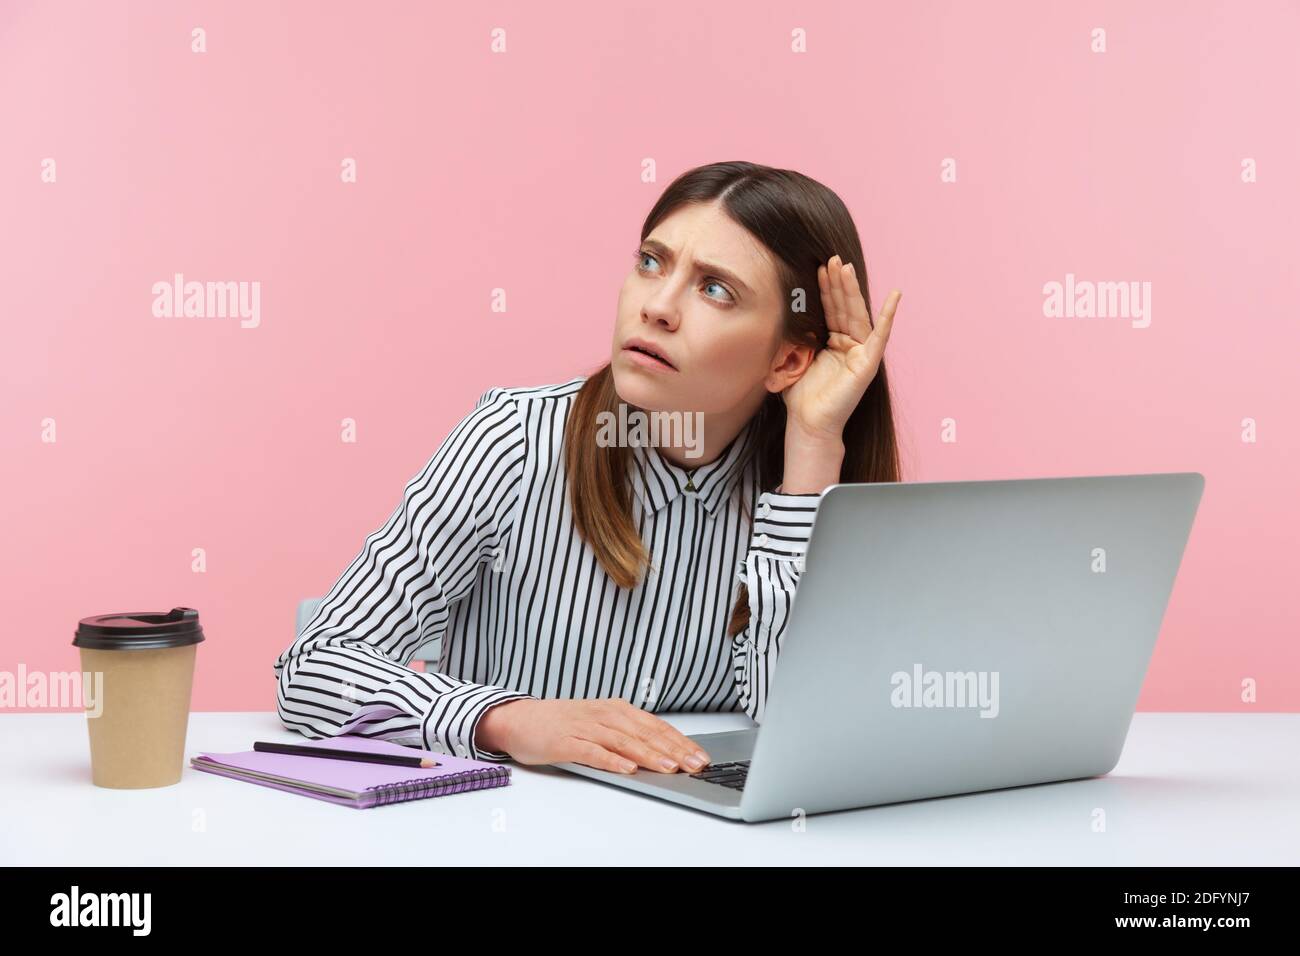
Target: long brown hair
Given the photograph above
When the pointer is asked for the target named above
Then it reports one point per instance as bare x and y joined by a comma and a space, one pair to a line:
803, 224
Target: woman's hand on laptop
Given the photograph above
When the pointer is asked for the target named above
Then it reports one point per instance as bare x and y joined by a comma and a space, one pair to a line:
607, 733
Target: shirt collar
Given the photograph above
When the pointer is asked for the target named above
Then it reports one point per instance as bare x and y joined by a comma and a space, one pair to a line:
656, 481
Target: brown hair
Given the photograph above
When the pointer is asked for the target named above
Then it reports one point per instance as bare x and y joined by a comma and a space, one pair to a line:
803, 224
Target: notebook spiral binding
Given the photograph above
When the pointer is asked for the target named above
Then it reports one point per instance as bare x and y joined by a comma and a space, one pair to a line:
438, 786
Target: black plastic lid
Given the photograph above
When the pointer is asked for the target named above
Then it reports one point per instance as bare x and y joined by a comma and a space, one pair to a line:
140, 630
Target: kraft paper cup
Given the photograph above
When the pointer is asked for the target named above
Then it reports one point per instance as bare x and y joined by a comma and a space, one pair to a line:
147, 662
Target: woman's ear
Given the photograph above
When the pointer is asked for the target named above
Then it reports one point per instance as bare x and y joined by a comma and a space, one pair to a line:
788, 366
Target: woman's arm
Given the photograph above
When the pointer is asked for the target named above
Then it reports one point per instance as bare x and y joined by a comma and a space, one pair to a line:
818, 404
771, 572
775, 561
346, 672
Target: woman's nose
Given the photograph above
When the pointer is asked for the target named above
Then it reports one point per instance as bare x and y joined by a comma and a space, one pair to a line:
661, 311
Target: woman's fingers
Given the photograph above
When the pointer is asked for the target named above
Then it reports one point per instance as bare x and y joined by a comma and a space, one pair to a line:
835, 270
885, 321
855, 320
631, 723
842, 300
590, 754
828, 304
665, 738
865, 358
625, 742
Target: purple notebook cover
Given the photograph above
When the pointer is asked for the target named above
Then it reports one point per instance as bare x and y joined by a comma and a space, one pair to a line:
375, 784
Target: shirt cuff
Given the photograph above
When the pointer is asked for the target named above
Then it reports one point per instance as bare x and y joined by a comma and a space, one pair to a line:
453, 720
783, 523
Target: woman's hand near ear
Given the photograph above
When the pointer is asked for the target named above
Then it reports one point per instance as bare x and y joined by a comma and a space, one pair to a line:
824, 397
821, 401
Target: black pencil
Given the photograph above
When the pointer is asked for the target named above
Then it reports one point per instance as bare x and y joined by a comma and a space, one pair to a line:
361, 756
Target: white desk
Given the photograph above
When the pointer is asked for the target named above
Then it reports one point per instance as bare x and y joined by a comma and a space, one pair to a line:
1191, 789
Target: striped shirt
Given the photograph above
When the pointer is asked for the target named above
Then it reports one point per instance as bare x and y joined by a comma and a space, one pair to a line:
482, 553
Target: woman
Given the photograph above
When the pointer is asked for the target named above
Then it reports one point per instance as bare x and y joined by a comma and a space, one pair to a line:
579, 586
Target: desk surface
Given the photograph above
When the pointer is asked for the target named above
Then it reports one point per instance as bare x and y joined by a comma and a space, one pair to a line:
1190, 789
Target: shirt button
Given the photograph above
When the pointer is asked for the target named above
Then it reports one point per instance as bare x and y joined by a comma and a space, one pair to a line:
764, 510
760, 541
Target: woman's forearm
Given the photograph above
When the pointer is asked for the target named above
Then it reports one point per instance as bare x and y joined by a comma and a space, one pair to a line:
812, 462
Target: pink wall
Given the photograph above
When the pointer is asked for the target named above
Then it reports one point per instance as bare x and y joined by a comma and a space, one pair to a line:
521, 170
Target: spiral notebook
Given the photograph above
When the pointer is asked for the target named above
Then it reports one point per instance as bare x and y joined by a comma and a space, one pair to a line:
353, 783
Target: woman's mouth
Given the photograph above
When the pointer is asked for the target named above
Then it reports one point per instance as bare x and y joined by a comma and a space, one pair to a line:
647, 356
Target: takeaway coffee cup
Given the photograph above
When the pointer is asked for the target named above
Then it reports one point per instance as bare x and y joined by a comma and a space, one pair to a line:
147, 662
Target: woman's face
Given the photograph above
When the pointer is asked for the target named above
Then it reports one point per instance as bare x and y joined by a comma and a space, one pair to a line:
704, 294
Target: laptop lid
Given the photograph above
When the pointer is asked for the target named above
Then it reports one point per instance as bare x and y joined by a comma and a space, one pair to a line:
950, 637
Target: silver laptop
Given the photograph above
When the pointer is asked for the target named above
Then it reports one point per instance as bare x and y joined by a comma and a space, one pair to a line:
951, 637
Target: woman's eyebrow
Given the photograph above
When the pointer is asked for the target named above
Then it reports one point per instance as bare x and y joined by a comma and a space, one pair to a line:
656, 246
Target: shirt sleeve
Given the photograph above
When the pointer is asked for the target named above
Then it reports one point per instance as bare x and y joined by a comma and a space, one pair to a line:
346, 672
771, 571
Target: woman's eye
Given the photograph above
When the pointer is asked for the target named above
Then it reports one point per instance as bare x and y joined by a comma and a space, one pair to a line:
720, 286
642, 257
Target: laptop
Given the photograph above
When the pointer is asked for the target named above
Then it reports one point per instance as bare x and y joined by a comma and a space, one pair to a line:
952, 637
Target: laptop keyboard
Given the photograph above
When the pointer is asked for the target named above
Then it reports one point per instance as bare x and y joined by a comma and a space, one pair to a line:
730, 774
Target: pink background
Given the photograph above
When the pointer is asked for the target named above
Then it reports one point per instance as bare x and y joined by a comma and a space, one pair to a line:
521, 171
